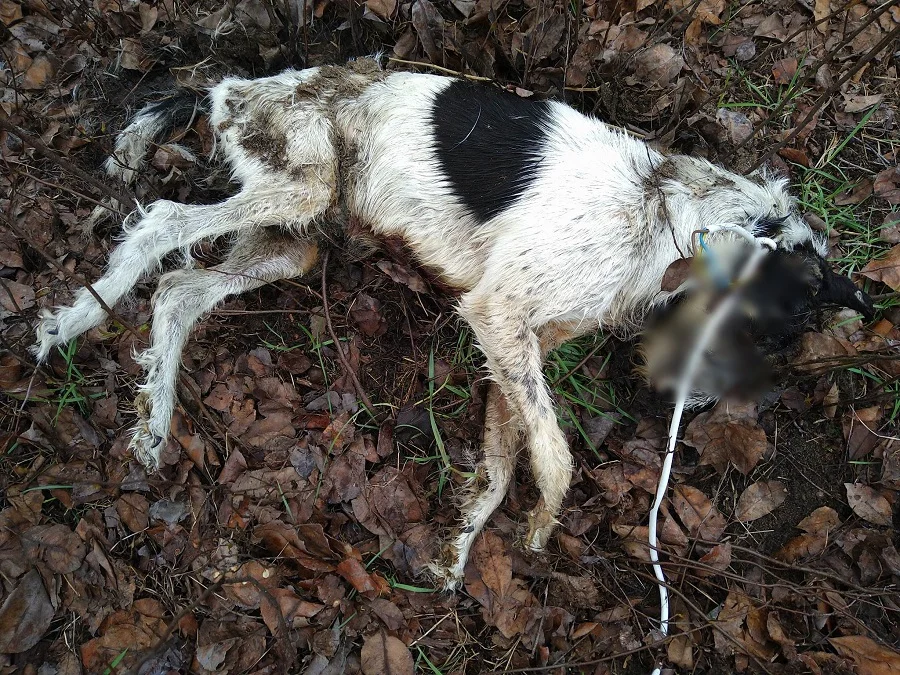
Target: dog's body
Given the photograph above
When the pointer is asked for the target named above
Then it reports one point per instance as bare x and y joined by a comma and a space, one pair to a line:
547, 223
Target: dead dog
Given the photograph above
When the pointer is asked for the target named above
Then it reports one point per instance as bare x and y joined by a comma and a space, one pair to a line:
548, 224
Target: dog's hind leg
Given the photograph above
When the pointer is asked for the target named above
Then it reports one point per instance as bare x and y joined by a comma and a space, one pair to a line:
502, 433
256, 258
164, 227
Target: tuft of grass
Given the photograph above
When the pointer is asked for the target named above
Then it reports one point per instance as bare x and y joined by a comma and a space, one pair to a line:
578, 390
71, 390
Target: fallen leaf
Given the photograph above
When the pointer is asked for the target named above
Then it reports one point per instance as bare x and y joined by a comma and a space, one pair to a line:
383, 654
821, 9
134, 510
366, 313
869, 657
860, 192
41, 70
676, 274
737, 124
820, 353
698, 514
56, 545
796, 156
660, 64
15, 297
860, 429
719, 558
25, 615
887, 185
429, 26
885, 269
383, 8
493, 563
403, 275
760, 499
821, 521
868, 504
355, 573
854, 103
728, 433
784, 70
10, 12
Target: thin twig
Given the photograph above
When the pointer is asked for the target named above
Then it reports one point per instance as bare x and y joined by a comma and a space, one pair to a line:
348, 370
440, 69
63, 163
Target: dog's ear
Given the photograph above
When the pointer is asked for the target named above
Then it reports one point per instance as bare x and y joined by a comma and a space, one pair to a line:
841, 291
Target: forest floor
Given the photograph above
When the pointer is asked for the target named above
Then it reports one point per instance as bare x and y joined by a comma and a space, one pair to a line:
287, 531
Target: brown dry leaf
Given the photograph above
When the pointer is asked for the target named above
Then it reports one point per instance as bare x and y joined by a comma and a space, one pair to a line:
868, 504
760, 499
15, 297
134, 630
25, 615
660, 64
676, 274
383, 654
796, 156
429, 25
860, 192
821, 521
857, 103
291, 608
39, 72
351, 569
10, 12
707, 11
820, 353
821, 9
698, 514
56, 545
493, 563
366, 313
887, 185
134, 510
784, 70
680, 651
728, 433
403, 275
869, 657
719, 558
860, 429
383, 8
886, 269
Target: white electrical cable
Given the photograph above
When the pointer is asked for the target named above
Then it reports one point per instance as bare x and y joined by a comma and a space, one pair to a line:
762, 245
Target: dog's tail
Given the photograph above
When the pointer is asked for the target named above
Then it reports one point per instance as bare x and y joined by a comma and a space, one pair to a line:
133, 143
147, 127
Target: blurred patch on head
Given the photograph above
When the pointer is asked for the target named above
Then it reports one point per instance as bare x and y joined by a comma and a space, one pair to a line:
771, 311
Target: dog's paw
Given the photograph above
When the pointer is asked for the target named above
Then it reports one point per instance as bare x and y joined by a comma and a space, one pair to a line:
47, 335
147, 446
148, 439
447, 578
540, 527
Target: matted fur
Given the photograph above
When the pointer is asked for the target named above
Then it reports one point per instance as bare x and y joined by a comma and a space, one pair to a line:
584, 245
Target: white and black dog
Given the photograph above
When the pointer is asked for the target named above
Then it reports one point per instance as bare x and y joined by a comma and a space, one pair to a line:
548, 224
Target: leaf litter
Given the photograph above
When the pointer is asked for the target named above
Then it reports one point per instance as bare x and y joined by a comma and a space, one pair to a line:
286, 533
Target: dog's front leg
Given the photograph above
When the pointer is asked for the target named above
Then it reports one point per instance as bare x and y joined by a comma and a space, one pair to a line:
515, 358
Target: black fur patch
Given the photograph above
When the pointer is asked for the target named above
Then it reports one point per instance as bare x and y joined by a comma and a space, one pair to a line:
178, 107
489, 144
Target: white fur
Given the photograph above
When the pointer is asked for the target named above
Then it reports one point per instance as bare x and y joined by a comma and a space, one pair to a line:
585, 246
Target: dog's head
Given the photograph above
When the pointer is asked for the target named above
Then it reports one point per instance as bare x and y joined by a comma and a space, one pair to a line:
773, 308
